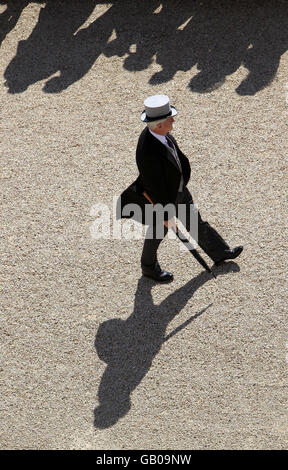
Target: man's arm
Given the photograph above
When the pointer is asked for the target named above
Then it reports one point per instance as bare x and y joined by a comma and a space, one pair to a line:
151, 172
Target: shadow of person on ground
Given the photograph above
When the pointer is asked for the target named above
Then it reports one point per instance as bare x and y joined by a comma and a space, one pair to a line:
216, 37
268, 43
55, 47
219, 37
10, 16
47, 49
129, 346
139, 27
87, 45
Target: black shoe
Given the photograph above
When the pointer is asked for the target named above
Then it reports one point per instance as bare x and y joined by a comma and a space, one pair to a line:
156, 273
230, 254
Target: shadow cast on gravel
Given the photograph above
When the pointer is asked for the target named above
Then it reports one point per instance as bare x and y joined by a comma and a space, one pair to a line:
215, 36
10, 16
129, 346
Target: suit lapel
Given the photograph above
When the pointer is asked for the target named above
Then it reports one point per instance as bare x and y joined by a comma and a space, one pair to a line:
163, 149
171, 157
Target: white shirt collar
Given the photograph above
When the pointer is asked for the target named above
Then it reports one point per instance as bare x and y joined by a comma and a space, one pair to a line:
162, 138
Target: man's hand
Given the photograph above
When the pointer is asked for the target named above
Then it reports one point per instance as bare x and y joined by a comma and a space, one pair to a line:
171, 223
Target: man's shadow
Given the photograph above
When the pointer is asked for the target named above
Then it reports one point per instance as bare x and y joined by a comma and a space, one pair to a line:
129, 346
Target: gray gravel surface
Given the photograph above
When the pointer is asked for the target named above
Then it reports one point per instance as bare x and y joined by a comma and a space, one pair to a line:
93, 355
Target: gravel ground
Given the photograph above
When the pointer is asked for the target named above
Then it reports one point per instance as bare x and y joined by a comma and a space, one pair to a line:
94, 356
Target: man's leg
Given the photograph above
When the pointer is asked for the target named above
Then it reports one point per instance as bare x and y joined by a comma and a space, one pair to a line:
149, 263
151, 244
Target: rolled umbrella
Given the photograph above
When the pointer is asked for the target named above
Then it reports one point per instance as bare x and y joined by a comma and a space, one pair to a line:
188, 245
193, 251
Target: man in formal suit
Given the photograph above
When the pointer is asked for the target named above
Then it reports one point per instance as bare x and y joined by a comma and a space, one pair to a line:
164, 172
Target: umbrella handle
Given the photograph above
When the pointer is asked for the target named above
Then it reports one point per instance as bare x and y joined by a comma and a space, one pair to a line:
147, 197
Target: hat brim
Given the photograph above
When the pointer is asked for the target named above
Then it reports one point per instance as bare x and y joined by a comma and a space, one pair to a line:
145, 118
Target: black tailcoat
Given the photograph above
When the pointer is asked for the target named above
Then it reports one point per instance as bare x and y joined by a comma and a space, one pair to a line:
159, 175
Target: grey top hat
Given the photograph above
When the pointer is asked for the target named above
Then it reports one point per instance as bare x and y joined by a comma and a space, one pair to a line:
157, 107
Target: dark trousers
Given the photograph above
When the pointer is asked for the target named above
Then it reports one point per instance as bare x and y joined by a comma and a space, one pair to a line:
208, 238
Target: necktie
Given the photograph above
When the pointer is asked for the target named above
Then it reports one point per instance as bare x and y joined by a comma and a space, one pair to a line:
170, 143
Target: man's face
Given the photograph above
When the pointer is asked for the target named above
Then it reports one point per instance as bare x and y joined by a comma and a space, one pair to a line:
164, 127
